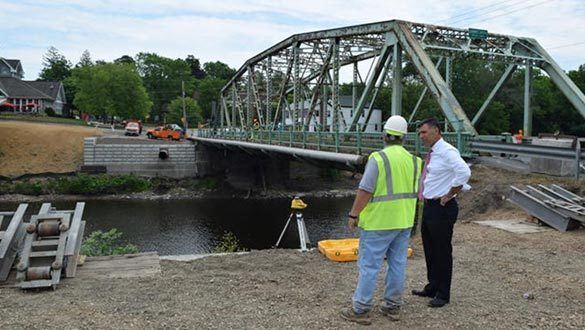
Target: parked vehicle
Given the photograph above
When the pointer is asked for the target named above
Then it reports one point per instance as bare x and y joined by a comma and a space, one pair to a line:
132, 128
170, 131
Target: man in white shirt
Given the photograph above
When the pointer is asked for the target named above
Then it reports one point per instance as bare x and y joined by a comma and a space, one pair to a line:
444, 175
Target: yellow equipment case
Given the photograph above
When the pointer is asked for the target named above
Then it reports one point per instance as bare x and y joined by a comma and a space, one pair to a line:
340, 249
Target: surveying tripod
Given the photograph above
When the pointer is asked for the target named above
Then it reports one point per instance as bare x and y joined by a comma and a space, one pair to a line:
296, 206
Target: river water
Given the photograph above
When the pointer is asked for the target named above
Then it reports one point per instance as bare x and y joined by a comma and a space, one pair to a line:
196, 226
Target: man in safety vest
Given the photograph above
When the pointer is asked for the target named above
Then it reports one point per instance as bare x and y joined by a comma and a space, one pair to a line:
384, 209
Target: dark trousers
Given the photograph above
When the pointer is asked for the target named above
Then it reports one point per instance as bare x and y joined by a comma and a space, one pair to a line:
437, 231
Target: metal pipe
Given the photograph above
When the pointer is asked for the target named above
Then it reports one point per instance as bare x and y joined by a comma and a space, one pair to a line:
346, 159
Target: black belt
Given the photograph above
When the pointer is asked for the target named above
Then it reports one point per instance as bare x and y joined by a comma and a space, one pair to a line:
436, 200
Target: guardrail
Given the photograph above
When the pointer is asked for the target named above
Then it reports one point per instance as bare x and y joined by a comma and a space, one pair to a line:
346, 142
532, 151
363, 143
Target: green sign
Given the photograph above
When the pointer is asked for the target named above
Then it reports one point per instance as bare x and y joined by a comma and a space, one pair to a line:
477, 34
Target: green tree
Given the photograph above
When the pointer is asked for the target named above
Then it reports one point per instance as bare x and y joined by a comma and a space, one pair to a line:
208, 91
218, 70
195, 66
111, 89
125, 59
85, 59
55, 66
162, 78
192, 109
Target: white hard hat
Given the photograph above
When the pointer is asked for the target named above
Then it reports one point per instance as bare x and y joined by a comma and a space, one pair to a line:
396, 125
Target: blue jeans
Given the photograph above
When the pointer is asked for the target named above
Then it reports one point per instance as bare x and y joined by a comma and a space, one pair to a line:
374, 245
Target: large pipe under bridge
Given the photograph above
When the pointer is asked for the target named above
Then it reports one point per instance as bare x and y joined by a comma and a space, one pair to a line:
316, 157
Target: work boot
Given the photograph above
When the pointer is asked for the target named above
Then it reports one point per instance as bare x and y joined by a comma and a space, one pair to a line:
359, 318
390, 311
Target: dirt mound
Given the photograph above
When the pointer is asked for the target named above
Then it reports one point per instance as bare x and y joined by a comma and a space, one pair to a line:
39, 148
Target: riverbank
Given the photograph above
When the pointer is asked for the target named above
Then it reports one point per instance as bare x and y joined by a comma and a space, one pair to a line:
270, 289
76, 187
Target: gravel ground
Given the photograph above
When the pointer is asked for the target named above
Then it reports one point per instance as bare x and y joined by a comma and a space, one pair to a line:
289, 289
493, 270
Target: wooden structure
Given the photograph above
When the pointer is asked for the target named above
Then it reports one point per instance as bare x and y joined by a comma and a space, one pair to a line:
11, 234
52, 244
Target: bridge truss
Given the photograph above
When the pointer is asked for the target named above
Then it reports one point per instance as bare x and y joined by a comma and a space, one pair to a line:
296, 82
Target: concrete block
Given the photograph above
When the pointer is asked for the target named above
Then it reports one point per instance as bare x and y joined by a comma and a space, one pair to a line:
553, 166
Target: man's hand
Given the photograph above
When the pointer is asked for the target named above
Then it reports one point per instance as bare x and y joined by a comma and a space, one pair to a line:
445, 199
352, 223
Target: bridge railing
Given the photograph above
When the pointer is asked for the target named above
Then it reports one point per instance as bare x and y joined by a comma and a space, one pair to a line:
345, 142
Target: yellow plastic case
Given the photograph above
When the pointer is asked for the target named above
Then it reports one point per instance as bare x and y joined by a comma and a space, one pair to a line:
340, 249
343, 249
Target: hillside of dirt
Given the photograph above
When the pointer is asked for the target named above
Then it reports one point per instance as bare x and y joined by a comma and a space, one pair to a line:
27, 148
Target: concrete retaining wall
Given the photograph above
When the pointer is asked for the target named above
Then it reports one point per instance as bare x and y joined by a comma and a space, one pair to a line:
184, 160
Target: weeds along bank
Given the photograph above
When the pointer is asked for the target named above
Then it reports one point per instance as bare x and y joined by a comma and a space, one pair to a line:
101, 184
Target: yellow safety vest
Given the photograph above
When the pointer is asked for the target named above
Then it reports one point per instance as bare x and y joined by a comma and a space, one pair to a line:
393, 204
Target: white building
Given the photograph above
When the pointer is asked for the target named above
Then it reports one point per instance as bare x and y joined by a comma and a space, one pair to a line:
347, 112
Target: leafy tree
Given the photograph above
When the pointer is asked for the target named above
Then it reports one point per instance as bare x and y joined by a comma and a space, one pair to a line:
111, 89
85, 60
55, 66
192, 109
208, 91
125, 59
162, 78
219, 70
195, 66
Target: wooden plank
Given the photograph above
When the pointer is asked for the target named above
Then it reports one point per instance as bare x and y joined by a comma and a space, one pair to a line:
74, 228
36, 284
45, 208
11, 241
46, 242
114, 266
43, 254
12, 228
124, 256
72, 260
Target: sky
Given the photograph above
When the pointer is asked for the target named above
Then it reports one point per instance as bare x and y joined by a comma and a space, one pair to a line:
231, 31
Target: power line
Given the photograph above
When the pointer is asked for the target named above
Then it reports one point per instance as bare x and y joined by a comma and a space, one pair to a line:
493, 10
475, 10
513, 11
568, 45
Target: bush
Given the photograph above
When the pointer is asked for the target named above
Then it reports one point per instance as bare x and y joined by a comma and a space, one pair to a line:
228, 243
50, 112
27, 188
108, 243
84, 184
208, 183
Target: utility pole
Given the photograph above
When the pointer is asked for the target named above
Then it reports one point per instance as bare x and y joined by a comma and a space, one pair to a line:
184, 111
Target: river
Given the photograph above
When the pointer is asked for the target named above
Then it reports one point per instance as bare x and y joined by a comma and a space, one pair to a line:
196, 226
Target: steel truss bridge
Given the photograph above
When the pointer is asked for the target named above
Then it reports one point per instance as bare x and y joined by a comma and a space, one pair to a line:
288, 95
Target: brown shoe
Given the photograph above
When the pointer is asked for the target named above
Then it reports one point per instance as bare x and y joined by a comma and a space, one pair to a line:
359, 318
390, 312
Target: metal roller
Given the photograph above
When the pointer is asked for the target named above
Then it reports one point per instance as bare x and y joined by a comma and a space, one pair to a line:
49, 228
38, 273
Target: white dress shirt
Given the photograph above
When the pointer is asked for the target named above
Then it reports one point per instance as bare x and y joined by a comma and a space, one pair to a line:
446, 169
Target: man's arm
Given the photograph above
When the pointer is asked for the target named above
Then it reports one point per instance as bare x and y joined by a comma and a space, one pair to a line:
365, 191
361, 200
461, 174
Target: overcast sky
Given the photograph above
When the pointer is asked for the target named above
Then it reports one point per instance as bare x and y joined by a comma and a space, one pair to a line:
232, 31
